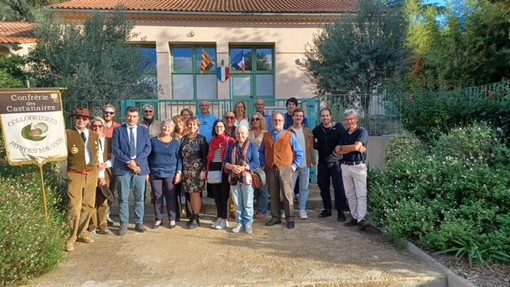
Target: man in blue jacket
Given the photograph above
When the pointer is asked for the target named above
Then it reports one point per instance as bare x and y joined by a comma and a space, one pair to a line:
131, 147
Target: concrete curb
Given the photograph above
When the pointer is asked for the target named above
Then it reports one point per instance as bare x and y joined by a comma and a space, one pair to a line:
454, 280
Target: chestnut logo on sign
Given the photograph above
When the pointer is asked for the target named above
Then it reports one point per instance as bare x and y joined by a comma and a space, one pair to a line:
35, 132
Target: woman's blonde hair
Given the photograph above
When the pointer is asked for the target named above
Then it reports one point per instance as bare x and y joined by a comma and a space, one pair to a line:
263, 125
176, 119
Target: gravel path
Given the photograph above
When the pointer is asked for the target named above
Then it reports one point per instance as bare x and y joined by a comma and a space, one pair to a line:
318, 252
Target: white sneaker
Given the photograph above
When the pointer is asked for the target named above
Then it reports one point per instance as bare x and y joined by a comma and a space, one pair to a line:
302, 214
215, 223
249, 229
221, 224
238, 228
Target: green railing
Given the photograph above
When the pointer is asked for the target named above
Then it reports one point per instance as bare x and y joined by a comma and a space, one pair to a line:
376, 113
166, 109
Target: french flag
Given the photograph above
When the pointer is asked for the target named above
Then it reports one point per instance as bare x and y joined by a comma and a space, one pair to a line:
238, 62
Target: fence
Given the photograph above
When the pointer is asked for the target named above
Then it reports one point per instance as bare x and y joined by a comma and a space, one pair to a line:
376, 113
166, 109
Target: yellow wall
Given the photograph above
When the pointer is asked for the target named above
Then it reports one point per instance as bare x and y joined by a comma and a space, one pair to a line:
289, 41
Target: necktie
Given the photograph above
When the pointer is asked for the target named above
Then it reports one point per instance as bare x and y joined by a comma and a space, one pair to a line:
83, 136
132, 146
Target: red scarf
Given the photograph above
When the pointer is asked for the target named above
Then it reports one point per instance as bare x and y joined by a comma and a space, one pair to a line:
222, 142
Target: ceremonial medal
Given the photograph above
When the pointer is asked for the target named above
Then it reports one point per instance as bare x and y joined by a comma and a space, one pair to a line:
74, 149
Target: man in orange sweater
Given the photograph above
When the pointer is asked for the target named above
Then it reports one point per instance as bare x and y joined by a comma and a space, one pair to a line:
280, 155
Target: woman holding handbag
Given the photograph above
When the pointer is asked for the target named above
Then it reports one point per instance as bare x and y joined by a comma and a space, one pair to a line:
217, 178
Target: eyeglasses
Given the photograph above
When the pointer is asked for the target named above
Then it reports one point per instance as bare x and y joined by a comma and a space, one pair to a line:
230, 118
108, 113
148, 112
255, 119
83, 118
277, 120
96, 126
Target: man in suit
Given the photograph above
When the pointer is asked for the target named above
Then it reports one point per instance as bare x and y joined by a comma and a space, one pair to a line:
82, 174
131, 147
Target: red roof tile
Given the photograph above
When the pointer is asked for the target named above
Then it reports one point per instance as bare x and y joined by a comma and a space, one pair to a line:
16, 33
218, 6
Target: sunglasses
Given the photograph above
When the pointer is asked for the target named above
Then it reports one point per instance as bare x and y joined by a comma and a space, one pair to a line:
229, 118
255, 119
148, 112
83, 118
96, 126
108, 113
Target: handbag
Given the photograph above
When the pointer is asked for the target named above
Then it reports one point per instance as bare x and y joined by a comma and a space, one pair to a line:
259, 178
215, 176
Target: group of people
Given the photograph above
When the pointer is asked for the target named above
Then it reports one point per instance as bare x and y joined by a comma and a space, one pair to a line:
190, 154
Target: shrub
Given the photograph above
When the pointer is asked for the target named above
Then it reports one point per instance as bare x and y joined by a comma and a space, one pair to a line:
28, 245
450, 194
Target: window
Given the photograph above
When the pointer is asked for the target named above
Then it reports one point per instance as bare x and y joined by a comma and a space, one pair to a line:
187, 81
252, 77
149, 66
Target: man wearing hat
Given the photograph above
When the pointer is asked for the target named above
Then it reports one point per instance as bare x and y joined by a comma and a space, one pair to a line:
82, 177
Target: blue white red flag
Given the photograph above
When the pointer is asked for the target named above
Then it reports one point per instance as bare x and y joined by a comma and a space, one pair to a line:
238, 62
223, 73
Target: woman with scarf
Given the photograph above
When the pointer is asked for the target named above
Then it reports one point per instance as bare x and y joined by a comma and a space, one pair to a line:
217, 151
242, 158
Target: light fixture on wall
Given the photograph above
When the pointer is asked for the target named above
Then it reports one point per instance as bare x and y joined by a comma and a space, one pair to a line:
190, 34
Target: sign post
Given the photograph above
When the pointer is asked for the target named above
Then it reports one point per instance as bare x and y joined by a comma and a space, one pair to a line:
33, 128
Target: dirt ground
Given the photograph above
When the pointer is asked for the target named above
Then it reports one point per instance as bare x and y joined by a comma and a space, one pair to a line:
318, 252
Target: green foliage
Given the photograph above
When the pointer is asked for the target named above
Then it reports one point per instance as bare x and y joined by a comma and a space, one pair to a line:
28, 246
11, 72
471, 47
359, 52
22, 10
422, 111
93, 61
451, 194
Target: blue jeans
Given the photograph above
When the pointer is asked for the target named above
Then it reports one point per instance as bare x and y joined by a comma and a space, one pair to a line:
123, 184
262, 195
243, 199
304, 180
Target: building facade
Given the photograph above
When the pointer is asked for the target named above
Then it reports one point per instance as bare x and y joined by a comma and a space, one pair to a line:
261, 43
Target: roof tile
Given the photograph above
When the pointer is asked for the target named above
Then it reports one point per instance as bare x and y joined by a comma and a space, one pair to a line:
217, 6
16, 33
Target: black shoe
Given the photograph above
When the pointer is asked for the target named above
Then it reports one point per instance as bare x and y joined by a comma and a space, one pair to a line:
341, 217
363, 224
140, 228
110, 222
157, 224
193, 222
325, 213
290, 225
273, 221
353, 222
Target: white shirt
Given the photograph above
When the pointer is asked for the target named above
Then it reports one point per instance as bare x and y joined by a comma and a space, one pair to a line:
88, 153
135, 128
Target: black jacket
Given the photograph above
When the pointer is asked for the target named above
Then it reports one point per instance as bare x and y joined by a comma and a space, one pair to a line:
326, 141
